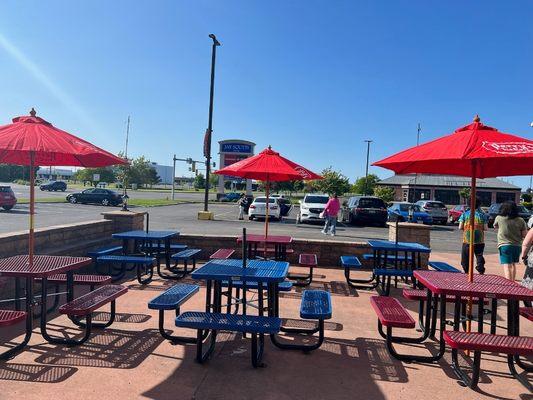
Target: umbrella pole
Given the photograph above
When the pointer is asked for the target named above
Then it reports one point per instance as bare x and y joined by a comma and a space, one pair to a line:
267, 190
31, 238
471, 245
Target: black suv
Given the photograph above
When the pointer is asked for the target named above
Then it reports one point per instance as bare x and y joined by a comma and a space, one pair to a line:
494, 211
54, 186
367, 210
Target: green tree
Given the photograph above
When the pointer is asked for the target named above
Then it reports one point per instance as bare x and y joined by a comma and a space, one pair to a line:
464, 193
9, 173
152, 177
364, 185
199, 181
385, 193
333, 182
107, 174
526, 197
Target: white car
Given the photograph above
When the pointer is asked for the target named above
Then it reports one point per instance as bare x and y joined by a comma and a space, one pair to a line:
311, 206
258, 208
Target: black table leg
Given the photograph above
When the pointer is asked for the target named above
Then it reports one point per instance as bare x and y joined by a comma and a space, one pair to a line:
167, 252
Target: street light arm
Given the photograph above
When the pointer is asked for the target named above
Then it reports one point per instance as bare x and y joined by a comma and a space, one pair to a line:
215, 41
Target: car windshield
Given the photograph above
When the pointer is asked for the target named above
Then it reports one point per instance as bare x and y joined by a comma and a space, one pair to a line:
5, 189
405, 207
316, 199
263, 200
371, 203
435, 204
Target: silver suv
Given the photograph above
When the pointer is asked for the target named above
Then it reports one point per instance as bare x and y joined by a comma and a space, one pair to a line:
436, 209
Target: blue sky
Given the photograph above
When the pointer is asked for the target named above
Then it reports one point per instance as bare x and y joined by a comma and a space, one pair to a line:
312, 78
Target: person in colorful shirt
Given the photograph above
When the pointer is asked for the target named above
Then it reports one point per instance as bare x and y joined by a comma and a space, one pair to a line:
331, 211
480, 226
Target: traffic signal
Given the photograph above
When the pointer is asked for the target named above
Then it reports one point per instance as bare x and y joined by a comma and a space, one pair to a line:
193, 168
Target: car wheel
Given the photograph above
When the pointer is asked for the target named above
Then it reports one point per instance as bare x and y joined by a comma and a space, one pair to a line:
7, 208
105, 202
298, 219
251, 217
63, 189
73, 200
350, 219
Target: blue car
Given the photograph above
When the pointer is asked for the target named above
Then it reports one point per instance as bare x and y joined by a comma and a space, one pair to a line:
400, 210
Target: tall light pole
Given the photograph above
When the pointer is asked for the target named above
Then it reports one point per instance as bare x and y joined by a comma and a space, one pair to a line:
416, 175
173, 175
367, 160
207, 138
125, 196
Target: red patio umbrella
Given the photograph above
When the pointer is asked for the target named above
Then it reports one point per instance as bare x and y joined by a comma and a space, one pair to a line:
475, 151
268, 166
32, 141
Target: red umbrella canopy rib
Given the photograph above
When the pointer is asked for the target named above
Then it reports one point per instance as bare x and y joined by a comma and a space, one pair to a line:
494, 154
268, 165
50, 145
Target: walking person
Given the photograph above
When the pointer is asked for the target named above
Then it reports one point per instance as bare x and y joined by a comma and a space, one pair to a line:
243, 202
331, 211
480, 226
511, 230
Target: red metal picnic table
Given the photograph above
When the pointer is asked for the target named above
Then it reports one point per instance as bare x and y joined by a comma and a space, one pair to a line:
279, 242
483, 286
43, 267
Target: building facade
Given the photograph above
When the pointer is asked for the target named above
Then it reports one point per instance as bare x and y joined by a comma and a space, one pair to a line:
446, 188
165, 173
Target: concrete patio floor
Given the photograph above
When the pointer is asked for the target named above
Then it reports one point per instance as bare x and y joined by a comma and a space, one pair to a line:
131, 360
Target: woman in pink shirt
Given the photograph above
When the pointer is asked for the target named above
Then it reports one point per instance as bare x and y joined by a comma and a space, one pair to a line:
330, 213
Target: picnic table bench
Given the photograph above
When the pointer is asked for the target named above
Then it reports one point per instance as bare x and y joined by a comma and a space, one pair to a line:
350, 263
442, 266
8, 318
104, 251
255, 325
222, 254
143, 265
315, 305
392, 314
83, 307
186, 256
513, 346
172, 299
304, 260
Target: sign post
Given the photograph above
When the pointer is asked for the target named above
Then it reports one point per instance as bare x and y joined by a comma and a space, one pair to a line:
232, 151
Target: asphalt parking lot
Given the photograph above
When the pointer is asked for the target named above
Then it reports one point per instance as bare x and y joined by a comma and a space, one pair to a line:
183, 217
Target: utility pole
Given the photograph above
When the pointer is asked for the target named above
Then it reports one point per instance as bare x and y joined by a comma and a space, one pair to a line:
208, 133
125, 196
367, 160
416, 175
173, 175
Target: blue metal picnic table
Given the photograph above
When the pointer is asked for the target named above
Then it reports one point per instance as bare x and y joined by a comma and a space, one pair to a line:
382, 248
267, 273
142, 237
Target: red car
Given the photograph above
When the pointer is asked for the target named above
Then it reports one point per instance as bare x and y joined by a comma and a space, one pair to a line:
7, 198
456, 212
